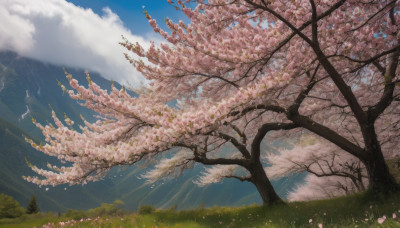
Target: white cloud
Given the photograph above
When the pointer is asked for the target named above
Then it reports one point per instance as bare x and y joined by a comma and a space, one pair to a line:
59, 32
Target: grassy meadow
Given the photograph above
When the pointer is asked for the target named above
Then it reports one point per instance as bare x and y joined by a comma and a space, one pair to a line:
353, 211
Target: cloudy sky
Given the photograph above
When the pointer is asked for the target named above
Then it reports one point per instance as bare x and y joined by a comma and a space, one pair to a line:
81, 33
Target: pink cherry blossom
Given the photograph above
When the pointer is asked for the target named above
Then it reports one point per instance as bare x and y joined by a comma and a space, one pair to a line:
242, 72
381, 220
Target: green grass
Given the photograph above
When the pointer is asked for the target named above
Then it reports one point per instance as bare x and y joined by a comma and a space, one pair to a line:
352, 211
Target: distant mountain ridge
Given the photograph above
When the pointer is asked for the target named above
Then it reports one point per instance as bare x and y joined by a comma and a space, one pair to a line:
27, 88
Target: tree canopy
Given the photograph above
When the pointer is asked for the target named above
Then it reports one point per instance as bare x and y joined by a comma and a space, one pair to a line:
9, 207
244, 71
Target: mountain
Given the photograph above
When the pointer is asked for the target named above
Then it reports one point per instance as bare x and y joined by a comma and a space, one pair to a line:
27, 88
13, 151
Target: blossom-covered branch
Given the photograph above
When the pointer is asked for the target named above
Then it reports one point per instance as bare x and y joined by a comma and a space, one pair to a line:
242, 72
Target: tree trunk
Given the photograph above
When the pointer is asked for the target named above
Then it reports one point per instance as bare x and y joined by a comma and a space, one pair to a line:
264, 187
380, 180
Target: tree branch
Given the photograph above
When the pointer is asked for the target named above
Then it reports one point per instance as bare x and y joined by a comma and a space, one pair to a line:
303, 94
202, 158
239, 132
387, 96
327, 133
242, 148
373, 15
274, 108
314, 25
262, 131
322, 58
242, 179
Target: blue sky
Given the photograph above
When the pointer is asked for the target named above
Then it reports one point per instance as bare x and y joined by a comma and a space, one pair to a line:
82, 33
131, 11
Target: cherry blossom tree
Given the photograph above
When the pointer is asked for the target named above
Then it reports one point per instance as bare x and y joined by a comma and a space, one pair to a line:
331, 171
244, 71
316, 188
